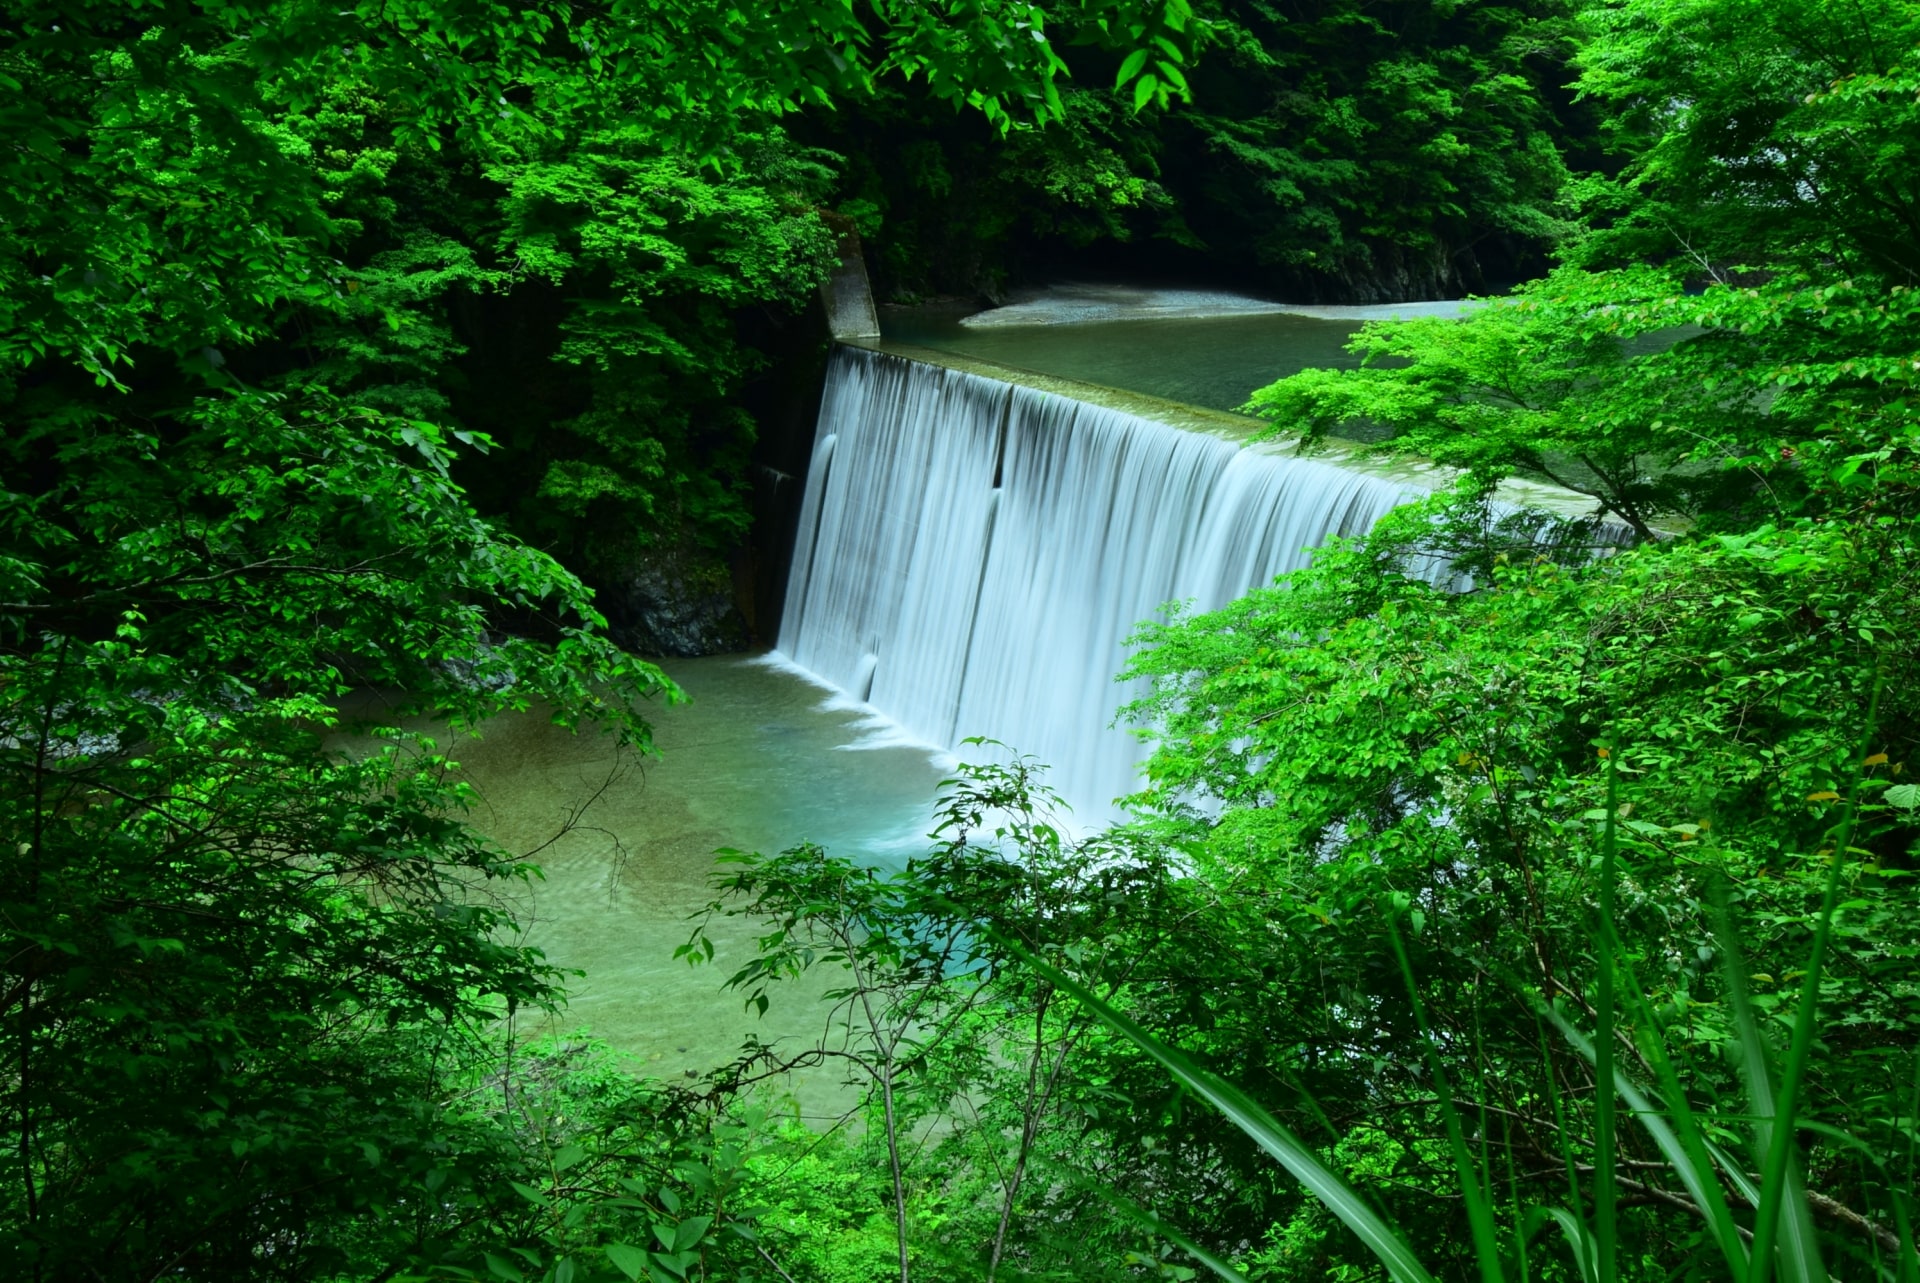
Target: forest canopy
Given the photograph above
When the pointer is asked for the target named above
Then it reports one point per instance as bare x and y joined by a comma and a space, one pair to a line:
1558, 924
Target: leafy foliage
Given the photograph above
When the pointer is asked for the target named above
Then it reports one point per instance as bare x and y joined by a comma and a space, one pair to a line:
1639, 734
276, 279
1723, 407
1757, 134
253, 968
1367, 151
1560, 915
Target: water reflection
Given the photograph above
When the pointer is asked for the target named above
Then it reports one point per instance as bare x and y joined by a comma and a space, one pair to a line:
1152, 344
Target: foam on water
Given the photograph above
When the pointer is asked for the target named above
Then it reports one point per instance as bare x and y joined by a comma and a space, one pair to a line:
872, 729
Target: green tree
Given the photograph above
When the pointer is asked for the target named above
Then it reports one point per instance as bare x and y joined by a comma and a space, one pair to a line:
247, 972
1362, 151
1652, 372
1756, 134
1725, 365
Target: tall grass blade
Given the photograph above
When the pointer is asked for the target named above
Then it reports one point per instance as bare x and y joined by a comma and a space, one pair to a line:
1698, 1172
1563, 1136
1266, 1131
1153, 1223
1686, 1152
1908, 1255
1686, 1155
1586, 1251
1486, 1243
1736, 1173
1606, 1126
1521, 1248
1781, 1153
1799, 1252
1902, 1216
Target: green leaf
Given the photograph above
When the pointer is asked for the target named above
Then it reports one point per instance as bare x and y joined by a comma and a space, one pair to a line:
501, 1269
1153, 1223
1799, 1253
1580, 1241
629, 1260
1467, 1173
1781, 1164
1685, 1151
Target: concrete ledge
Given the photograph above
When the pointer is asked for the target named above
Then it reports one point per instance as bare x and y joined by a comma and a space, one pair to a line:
1237, 427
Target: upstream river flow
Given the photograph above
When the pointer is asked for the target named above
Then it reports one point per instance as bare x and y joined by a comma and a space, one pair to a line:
1200, 348
758, 759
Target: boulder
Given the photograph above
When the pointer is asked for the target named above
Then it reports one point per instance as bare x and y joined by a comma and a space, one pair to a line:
674, 602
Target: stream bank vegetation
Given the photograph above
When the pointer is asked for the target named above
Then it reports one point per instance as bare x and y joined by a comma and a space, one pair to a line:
1558, 928
1555, 928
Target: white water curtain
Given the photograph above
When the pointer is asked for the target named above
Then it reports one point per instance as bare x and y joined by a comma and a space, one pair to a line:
972, 554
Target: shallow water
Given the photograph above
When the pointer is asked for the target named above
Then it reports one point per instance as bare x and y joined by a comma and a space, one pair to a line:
755, 761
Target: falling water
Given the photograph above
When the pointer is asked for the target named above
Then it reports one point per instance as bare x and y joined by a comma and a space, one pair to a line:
972, 554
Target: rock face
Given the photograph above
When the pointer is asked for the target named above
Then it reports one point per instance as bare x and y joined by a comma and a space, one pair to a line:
1402, 274
674, 602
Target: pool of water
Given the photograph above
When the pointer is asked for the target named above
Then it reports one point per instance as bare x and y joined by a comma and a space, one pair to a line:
1202, 349
757, 759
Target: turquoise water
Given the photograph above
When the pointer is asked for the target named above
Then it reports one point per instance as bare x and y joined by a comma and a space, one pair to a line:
755, 760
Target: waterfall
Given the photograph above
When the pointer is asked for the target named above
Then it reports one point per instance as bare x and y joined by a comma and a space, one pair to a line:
972, 554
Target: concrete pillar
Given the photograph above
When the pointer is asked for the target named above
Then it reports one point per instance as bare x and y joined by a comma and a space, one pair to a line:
847, 294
